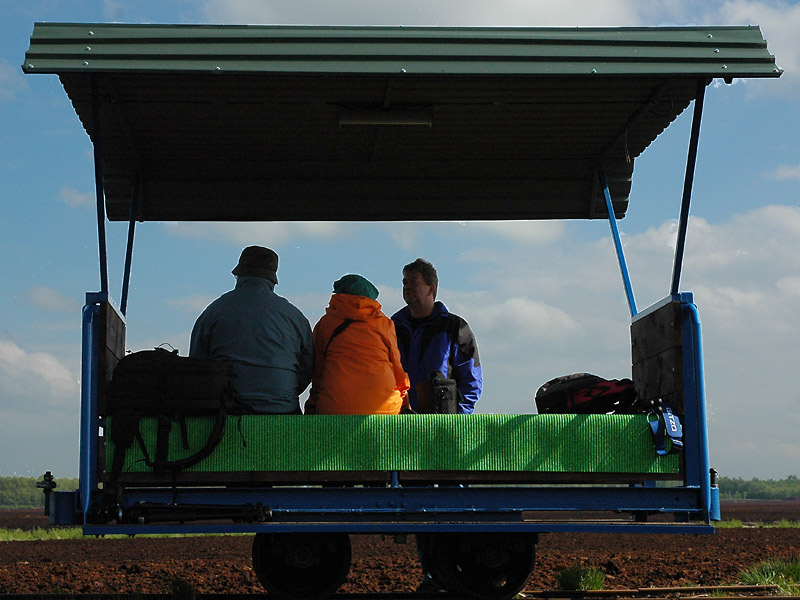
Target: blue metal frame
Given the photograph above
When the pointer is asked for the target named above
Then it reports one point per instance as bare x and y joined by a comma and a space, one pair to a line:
416, 509
623, 266
398, 509
89, 415
484, 503
400, 527
697, 460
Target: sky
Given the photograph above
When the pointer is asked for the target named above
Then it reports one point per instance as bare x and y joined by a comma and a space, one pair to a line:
543, 298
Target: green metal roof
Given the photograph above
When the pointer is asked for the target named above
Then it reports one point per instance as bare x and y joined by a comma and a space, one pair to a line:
363, 123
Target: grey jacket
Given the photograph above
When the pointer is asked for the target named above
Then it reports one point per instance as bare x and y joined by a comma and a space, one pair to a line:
267, 338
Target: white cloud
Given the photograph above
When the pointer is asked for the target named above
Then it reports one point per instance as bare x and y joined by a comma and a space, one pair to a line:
406, 235
11, 80
524, 232
783, 172
35, 441
518, 318
779, 22
269, 234
51, 300
424, 12
114, 11
789, 285
191, 305
313, 305
74, 199
31, 382
774, 233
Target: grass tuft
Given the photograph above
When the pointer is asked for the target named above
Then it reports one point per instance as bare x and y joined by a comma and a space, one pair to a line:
787, 524
76, 533
39, 533
737, 523
775, 571
580, 577
729, 524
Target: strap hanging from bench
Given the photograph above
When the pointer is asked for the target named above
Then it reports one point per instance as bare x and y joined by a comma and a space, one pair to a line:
665, 425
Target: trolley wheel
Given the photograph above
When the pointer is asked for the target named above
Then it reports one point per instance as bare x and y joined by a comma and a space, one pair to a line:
483, 565
301, 565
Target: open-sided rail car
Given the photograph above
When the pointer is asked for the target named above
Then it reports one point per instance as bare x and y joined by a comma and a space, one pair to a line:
279, 123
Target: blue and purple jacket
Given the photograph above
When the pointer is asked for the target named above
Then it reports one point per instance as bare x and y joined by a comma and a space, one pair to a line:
440, 342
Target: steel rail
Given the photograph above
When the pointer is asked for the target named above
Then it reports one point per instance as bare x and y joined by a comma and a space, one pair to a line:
736, 591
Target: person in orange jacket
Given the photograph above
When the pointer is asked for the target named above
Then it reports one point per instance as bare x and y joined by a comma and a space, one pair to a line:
357, 367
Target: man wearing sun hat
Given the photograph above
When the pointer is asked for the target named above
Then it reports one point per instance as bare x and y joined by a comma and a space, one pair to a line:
267, 338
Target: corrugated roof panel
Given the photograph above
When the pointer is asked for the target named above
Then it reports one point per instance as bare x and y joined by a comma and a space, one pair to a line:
245, 122
708, 51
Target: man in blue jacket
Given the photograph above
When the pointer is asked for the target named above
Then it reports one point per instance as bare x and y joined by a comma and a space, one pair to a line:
267, 338
432, 339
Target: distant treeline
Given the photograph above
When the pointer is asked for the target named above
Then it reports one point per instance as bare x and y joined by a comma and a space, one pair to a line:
21, 492
735, 488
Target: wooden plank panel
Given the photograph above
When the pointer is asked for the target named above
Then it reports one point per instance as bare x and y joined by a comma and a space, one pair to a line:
111, 347
657, 356
656, 332
661, 376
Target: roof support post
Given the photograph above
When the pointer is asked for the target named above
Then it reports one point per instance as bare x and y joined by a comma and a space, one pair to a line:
126, 277
98, 182
688, 180
612, 220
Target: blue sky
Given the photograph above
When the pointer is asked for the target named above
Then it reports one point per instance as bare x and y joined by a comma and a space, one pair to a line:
544, 299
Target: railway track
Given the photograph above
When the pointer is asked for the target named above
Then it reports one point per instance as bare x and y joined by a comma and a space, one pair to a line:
719, 592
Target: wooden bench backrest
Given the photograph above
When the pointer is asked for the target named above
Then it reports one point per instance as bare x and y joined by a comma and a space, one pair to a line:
657, 356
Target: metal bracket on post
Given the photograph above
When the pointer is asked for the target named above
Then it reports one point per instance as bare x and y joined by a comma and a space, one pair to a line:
98, 181
623, 267
688, 180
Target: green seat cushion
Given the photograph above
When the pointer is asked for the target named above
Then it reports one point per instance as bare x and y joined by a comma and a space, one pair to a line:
533, 443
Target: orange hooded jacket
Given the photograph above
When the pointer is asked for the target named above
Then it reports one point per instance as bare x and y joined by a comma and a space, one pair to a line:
361, 373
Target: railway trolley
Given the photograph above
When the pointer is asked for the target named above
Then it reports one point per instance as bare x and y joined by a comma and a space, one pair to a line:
302, 123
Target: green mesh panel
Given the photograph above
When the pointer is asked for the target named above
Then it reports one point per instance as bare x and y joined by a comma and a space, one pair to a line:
543, 443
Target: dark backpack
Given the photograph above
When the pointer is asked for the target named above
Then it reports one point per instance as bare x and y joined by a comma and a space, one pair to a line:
584, 393
158, 383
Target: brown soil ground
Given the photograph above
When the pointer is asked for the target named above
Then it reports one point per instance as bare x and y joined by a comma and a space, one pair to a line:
222, 563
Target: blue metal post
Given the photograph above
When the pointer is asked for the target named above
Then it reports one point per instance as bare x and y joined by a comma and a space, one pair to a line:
88, 431
623, 267
98, 180
697, 461
688, 180
126, 277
